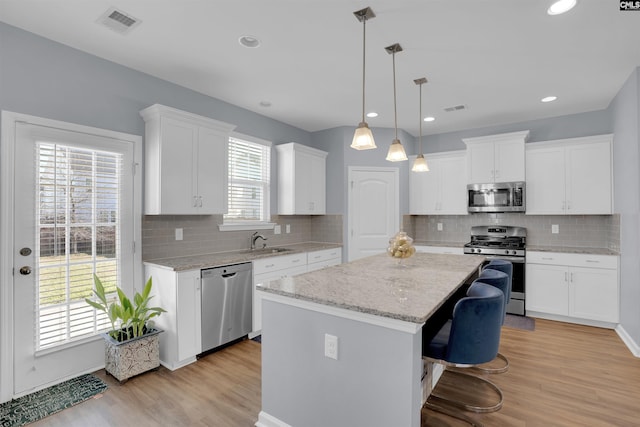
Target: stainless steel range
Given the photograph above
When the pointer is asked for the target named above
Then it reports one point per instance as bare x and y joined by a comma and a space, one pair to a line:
505, 242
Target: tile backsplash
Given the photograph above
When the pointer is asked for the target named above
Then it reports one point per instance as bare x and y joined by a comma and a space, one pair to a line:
201, 234
594, 231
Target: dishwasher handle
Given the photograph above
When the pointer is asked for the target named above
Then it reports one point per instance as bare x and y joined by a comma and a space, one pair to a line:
226, 276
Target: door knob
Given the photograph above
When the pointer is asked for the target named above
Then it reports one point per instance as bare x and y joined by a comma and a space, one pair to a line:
25, 251
26, 270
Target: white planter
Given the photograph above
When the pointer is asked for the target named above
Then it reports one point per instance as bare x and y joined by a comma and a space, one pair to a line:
126, 359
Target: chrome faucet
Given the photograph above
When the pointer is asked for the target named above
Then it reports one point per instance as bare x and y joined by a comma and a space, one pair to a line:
255, 236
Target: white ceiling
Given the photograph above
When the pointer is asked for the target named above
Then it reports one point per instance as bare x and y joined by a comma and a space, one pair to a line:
497, 57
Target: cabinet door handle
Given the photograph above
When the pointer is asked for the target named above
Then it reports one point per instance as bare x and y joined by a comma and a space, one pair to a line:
547, 259
565, 276
295, 260
269, 266
195, 201
569, 206
593, 261
563, 204
497, 173
200, 201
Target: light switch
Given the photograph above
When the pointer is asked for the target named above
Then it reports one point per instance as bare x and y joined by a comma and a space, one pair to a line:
277, 229
179, 234
555, 228
287, 228
439, 226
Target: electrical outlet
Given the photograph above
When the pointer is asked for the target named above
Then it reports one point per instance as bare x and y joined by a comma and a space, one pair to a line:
277, 229
287, 228
555, 228
179, 234
439, 226
331, 346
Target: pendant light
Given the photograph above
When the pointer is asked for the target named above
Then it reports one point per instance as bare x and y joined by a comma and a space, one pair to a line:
363, 138
396, 151
420, 164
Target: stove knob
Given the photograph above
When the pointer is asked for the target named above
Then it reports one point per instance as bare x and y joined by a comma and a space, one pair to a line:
506, 252
478, 250
513, 252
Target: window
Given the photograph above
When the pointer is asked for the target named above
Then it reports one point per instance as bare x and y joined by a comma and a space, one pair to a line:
249, 181
78, 206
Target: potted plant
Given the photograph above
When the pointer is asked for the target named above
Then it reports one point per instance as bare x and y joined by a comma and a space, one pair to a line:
132, 345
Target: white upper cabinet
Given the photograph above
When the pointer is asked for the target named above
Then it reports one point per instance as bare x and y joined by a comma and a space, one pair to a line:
186, 156
301, 180
496, 158
571, 176
442, 190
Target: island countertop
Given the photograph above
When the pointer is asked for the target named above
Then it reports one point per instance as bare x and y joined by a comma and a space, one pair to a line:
378, 285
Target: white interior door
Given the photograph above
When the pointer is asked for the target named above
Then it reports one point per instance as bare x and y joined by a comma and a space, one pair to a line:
74, 215
374, 210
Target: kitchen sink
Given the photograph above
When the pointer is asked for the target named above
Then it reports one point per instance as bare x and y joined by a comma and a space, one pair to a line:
263, 251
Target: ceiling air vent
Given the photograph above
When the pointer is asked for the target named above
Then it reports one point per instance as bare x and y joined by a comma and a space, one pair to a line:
455, 108
118, 21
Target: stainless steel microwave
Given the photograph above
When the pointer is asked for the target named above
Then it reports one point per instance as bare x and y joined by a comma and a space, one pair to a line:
496, 197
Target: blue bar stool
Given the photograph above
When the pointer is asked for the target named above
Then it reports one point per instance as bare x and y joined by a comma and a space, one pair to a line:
471, 337
505, 267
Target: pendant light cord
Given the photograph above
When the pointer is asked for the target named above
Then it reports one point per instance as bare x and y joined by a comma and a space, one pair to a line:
395, 109
364, 47
420, 118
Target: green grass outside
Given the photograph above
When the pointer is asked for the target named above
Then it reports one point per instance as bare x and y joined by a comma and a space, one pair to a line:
53, 278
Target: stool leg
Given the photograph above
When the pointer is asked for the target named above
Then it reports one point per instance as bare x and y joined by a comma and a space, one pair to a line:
454, 414
502, 369
435, 398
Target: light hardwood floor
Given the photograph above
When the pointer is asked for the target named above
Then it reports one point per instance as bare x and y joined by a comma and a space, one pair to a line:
560, 375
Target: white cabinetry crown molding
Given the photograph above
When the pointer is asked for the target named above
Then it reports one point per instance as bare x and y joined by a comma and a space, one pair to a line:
511, 136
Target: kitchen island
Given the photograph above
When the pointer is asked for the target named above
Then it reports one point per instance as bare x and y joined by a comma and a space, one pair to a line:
342, 346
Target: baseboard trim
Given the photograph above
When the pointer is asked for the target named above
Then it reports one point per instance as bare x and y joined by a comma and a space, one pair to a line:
628, 341
266, 420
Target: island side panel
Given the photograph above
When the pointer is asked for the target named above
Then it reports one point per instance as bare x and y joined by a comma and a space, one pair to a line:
374, 382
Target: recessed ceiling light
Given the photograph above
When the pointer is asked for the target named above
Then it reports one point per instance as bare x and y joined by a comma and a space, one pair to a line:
549, 98
372, 114
265, 104
561, 6
429, 119
249, 41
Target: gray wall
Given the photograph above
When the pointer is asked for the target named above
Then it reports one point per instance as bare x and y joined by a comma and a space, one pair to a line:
47, 79
571, 126
625, 110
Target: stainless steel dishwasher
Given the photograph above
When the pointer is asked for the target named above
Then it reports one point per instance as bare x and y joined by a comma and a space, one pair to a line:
226, 304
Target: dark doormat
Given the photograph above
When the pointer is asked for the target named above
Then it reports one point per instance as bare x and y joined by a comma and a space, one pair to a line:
520, 322
35, 406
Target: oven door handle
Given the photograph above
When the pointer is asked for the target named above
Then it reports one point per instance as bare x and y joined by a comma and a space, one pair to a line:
513, 259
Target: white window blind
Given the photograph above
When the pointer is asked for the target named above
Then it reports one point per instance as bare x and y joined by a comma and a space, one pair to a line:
78, 222
249, 180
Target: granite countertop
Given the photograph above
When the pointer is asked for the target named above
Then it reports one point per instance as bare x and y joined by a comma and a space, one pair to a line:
217, 259
573, 250
378, 285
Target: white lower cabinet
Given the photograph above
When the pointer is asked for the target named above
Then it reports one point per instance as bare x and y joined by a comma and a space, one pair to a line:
280, 267
579, 288
178, 292
325, 258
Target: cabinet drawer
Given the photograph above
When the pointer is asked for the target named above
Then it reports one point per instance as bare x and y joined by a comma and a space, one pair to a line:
324, 255
267, 277
266, 265
322, 264
573, 260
